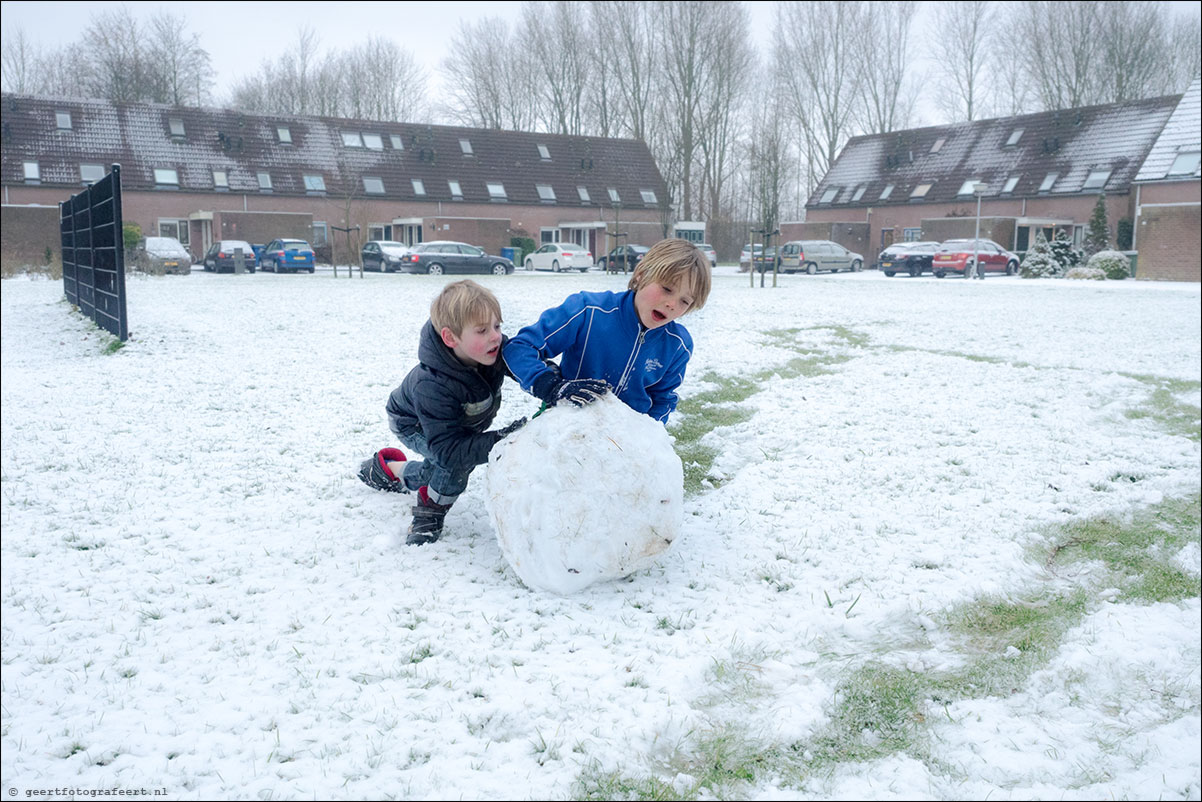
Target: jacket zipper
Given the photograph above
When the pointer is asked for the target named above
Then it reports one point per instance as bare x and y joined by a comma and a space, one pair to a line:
638, 344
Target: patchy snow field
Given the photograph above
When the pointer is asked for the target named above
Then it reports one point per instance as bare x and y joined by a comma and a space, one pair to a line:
199, 596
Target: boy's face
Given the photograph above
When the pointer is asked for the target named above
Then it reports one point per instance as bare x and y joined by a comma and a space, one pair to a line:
478, 344
659, 303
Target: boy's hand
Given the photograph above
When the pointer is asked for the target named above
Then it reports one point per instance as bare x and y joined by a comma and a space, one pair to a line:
510, 429
579, 392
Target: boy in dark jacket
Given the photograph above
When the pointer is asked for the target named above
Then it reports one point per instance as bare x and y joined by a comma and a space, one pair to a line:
444, 407
628, 342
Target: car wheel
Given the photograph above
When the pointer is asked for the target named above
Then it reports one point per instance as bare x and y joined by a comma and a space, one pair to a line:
915, 272
499, 269
584, 270
529, 264
857, 266
435, 269
889, 273
939, 274
312, 269
555, 266
1011, 268
811, 268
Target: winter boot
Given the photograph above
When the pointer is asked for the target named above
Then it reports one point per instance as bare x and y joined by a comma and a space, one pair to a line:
427, 520
374, 472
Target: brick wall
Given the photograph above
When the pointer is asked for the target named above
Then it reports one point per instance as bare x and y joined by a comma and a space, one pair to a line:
1168, 243
25, 234
851, 235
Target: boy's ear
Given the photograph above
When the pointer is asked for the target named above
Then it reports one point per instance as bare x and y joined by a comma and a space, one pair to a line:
448, 337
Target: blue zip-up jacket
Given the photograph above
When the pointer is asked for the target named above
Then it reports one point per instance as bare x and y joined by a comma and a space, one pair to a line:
599, 336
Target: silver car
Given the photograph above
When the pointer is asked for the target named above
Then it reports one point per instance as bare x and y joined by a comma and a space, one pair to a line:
812, 255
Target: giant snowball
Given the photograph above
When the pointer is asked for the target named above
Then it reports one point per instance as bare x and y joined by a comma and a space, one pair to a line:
581, 495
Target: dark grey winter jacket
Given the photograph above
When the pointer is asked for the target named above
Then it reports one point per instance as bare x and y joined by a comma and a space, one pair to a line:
450, 403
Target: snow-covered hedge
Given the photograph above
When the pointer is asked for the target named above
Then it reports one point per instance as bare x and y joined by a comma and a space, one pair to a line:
1040, 263
1088, 273
1112, 263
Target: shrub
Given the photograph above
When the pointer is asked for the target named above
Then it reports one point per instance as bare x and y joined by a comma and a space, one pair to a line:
1097, 236
1039, 262
1088, 273
1113, 264
525, 245
1064, 253
1126, 232
131, 235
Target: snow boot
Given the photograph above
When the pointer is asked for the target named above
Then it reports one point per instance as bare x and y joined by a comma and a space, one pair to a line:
374, 472
427, 520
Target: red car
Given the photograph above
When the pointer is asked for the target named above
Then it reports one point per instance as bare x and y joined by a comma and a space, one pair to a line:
956, 255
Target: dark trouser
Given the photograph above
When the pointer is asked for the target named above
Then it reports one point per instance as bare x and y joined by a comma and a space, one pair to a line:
443, 485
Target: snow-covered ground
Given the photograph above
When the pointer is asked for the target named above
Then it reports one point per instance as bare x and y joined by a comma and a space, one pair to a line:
199, 597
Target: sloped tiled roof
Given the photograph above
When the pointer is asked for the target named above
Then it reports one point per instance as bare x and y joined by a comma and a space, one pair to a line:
1072, 143
1182, 133
138, 137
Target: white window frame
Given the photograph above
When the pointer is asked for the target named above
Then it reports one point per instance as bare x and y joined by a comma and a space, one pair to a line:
264, 179
1016, 135
886, 192
96, 168
582, 191
61, 117
314, 183
1096, 179
614, 197
373, 141
1010, 184
921, 190
352, 139
283, 134
969, 187
419, 187
829, 195
546, 192
368, 187
859, 192
548, 236
176, 126
456, 189
321, 233
223, 182
166, 177
496, 190
1186, 158
466, 146
544, 153
1049, 181
396, 142
938, 146
648, 196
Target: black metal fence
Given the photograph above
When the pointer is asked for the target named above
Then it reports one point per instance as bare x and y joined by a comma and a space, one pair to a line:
94, 253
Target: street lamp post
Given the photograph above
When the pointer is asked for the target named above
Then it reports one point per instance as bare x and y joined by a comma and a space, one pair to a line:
978, 189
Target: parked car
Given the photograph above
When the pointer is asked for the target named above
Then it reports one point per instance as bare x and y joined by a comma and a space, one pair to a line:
766, 260
557, 256
623, 257
165, 255
745, 256
384, 255
709, 252
437, 258
812, 255
287, 255
907, 257
220, 256
956, 255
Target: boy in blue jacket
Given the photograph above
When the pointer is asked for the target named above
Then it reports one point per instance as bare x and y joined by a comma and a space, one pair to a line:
443, 408
628, 342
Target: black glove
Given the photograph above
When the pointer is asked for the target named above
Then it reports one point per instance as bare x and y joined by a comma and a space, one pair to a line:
579, 392
510, 429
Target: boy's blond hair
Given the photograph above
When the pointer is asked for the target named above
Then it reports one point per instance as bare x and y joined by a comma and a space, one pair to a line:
678, 263
462, 304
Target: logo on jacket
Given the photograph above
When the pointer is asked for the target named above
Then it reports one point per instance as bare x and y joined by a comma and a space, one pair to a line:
652, 364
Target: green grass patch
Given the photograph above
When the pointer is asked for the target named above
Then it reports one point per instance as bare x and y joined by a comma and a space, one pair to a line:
1167, 410
877, 712
699, 415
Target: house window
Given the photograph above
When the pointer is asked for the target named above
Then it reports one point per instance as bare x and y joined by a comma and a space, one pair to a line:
418, 187
466, 146
859, 193
373, 141
938, 146
1096, 179
1016, 135
543, 153
648, 197
315, 183
886, 192
395, 141
264, 181
614, 197
548, 235
90, 173
1010, 184
376, 232
351, 139
221, 179
63, 120
829, 195
284, 134
495, 191
176, 125
373, 185
920, 191
321, 233
583, 193
545, 192
183, 232
33, 173
1048, 181
169, 228
166, 177
456, 191
968, 187
1186, 163
911, 234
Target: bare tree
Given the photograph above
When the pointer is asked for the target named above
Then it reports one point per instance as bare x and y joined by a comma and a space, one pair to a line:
963, 30
721, 121
382, 81
559, 43
1060, 51
1183, 54
180, 70
889, 92
821, 72
20, 61
116, 57
628, 28
487, 77
1132, 41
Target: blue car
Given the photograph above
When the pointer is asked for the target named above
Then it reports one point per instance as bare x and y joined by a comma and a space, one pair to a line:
287, 256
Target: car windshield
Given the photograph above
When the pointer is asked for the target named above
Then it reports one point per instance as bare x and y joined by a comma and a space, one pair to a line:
164, 246
296, 245
393, 247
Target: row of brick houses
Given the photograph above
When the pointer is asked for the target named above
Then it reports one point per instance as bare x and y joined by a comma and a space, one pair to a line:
203, 175
1034, 172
